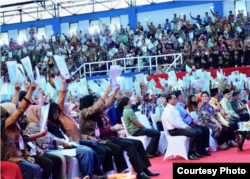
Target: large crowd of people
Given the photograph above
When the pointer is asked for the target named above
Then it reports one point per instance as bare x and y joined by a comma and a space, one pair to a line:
93, 124
212, 42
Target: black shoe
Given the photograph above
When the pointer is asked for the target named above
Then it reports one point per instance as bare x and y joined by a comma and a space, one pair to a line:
193, 157
142, 175
150, 155
149, 173
198, 155
157, 154
205, 153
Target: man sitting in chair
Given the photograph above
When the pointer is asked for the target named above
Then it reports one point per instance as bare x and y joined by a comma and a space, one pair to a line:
204, 143
135, 128
177, 127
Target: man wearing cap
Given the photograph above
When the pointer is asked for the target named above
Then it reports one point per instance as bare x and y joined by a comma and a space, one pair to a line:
241, 110
159, 111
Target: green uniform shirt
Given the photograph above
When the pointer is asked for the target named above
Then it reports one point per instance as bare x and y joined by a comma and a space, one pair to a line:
128, 117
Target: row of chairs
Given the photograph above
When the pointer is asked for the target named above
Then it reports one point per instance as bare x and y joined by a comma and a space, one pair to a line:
170, 145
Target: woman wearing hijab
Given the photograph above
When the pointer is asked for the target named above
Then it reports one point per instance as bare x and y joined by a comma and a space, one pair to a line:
13, 148
134, 148
89, 113
44, 143
64, 130
192, 104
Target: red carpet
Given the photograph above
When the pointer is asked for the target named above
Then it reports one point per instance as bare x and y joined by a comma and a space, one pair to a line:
229, 156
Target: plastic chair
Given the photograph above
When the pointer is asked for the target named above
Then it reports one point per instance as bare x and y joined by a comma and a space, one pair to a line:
194, 115
75, 169
144, 139
163, 143
212, 141
138, 114
154, 120
144, 120
177, 145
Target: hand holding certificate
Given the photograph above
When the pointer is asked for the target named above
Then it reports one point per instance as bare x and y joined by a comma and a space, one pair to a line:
61, 64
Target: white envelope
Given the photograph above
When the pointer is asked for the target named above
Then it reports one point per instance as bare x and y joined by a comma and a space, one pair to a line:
58, 82
156, 43
140, 78
3, 58
115, 50
38, 76
111, 53
84, 48
144, 49
27, 66
12, 71
180, 40
188, 69
150, 46
49, 54
61, 64
44, 117
10, 54
139, 43
137, 88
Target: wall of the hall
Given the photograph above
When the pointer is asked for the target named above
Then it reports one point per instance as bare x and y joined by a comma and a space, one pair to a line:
159, 16
156, 12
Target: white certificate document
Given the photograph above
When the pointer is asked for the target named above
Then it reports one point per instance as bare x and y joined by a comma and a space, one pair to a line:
61, 64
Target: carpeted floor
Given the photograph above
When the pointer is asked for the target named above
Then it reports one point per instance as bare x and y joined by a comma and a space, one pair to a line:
229, 156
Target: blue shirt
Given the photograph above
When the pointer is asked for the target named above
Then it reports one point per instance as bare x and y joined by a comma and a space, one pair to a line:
184, 114
198, 20
167, 26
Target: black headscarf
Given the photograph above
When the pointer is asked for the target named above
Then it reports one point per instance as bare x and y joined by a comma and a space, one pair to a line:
4, 116
88, 101
54, 126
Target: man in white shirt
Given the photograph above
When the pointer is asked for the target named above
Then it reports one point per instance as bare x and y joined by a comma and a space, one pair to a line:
176, 127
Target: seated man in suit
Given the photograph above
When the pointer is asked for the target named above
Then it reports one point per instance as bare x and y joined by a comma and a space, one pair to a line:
238, 107
176, 127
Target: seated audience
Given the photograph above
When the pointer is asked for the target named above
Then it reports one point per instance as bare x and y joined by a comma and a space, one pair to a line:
135, 128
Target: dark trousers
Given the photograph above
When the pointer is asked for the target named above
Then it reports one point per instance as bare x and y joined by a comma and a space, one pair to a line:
29, 170
244, 116
193, 134
204, 142
104, 155
159, 126
49, 163
117, 152
135, 151
224, 136
155, 137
